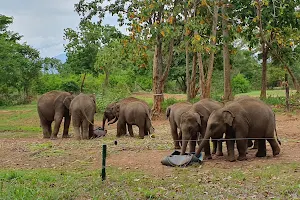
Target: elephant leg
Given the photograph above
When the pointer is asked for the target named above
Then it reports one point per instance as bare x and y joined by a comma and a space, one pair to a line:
121, 128
130, 130
230, 150
85, 129
207, 151
255, 144
192, 143
46, 125
141, 131
175, 136
262, 151
242, 149
57, 120
219, 148
66, 127
275, 146
215, 143
180, 138
91, 129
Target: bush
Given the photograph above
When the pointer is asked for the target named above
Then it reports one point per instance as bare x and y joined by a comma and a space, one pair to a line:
166, 103
110, 95
70, 86
240, 84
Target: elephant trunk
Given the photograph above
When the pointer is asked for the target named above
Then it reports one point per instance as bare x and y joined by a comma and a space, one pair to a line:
103, 122
205, 141
185, 141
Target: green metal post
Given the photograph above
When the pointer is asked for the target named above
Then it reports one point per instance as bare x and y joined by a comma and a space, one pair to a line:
103, 162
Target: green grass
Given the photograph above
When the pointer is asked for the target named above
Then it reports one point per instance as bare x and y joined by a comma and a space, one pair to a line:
273, 93
275, 181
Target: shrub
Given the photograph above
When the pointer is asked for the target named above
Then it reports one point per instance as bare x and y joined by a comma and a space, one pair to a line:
70, 86
240, 84
169, 102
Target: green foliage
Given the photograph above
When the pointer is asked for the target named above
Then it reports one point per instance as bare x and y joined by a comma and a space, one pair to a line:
107, 96
169, 102
70, 86
240, 84
271, 100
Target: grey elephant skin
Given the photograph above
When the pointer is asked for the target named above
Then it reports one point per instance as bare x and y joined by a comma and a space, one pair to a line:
246, 117
173, 113
82, 110
110, 114
54, 106
193, 125
133, 113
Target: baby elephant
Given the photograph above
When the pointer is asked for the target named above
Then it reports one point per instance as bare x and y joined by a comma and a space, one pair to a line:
82, 110
133, 113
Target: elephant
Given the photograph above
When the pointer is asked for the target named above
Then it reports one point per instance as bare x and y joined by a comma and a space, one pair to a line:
110, 115
193, 125
173, 113
82, 110
244, 118
133, 113
54, 106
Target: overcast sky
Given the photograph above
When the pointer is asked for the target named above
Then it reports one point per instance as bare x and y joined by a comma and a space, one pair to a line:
42, 22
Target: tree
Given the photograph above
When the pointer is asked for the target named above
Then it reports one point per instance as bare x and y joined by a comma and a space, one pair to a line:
83, 45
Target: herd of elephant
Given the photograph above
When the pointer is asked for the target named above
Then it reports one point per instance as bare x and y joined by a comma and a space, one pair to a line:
243, 118
56, 105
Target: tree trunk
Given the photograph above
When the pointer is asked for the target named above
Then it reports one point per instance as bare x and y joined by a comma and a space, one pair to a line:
294, 79
201, 76
263, 93
157, 87
212, 53
287, 92
187, 71
193, 89
82, 83
226, 57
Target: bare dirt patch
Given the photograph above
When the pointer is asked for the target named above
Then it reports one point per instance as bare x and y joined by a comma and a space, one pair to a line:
133, 153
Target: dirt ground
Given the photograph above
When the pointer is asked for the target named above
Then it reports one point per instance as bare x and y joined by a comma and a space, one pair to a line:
133, 153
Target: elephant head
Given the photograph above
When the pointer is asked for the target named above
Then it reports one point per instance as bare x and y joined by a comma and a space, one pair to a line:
190, 125
216, 126
109, 114
67, 100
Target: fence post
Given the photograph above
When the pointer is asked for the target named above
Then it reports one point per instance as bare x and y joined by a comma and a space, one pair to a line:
103, 162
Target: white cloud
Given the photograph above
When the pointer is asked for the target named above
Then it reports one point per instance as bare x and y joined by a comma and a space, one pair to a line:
42, 22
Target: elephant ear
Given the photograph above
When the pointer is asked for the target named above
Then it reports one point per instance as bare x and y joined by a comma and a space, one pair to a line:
116, 110
67, 101
228, 117
198, 118
93, 98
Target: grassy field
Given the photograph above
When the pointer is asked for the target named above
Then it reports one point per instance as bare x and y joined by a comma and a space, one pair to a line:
272, 93
72, 169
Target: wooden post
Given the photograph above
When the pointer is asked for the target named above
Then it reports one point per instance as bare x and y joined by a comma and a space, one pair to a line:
287, 92
103, 162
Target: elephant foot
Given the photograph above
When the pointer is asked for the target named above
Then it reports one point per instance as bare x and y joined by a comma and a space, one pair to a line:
261, 154
46, 136
275, 153
141, 137
53, 138
219, 153
231, 159
66, 136
207, 157
213, 152
241, 158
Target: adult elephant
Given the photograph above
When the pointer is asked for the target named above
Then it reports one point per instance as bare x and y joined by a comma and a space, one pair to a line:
174, 113
110, 115
54, 106
246, 117
193, 125
82, 110
133, 113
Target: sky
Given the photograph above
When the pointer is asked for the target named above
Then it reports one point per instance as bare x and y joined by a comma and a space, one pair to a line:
42, 22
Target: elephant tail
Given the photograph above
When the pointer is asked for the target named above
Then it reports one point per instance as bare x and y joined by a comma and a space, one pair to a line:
149, 125
168, 111
279, 142
87, 117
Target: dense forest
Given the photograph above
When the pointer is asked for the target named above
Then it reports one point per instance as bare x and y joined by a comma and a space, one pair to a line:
201, 48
